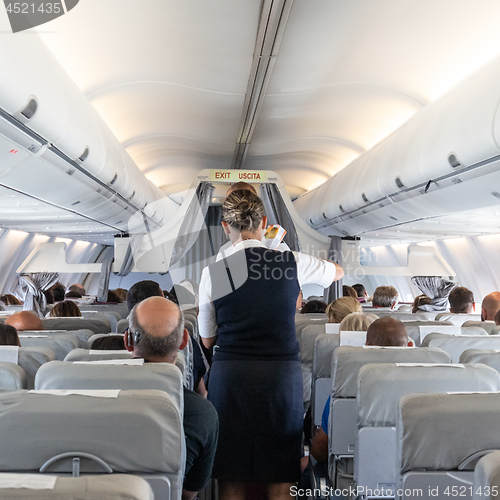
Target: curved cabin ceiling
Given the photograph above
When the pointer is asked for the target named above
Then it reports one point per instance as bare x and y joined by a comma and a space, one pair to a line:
172, 78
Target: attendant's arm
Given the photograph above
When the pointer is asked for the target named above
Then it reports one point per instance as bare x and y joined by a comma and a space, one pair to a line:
319, 445
206, 318
314, 271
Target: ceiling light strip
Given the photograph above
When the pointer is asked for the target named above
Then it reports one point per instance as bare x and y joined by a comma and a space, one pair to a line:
273, 19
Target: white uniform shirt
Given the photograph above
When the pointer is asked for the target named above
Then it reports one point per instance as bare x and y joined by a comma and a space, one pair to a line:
228, 248
310, 270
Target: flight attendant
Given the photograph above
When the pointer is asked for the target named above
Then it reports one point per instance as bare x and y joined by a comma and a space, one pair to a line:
247, 311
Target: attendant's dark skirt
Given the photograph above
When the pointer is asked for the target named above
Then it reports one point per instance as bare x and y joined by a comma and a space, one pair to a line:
260, 405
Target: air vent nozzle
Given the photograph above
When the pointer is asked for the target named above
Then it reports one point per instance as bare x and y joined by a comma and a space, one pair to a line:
454, 161
85, 154
30, 109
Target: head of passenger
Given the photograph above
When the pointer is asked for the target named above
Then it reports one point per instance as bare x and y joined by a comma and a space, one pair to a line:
490, 306
243, 216
461, 300
10, 300
360, 290
65, 309
113, 298
244, 186
122, 293
24, 320
357, 322
314, 306
142, 290
58, 291
385, 296
340, 308
109, 343
388, 332
348, 291
73, 294
156, 331
497, 318
76, 287
8, 335
49, 296
420, 300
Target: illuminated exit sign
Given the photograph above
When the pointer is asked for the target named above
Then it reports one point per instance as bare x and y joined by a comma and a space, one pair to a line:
238, 175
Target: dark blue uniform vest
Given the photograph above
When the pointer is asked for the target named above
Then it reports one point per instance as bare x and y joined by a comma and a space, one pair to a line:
255, 292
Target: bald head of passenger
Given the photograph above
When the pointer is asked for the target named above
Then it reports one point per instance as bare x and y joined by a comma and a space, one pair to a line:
25, 320
156, 331
388, 332
490, 306
241, 185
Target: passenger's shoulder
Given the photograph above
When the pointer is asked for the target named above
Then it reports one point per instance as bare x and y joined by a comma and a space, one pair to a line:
194, 404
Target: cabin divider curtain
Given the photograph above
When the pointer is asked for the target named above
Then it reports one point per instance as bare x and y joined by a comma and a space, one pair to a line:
31, 287
334, 291
436, 288
194, 221
277, 213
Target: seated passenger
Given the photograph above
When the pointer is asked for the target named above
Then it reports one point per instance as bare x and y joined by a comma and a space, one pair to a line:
357, 322
313, 306
420, 300
461, 301
144, 289
122, 293
76, 287
73, 295
10, 300
490, 306
109, 343
113, 298
382, 332
8, 335
157, 334
348, 291
25, 320
497, 318
385, 296
58, 292
340, 308
361, 292
65, 309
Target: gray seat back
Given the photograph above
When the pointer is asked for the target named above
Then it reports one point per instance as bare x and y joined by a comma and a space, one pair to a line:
100, 325
30, 360
458, 319
486, 484
382, 385
111, 487
413, 330
307, 338
83, 335
122, 325
62, 375
110, 316
321, 388
489, 326
446, 431
303, 320
347, 361
74, 424
401, 315
120, 308
488, 357
455, 345
60, 344
12, 377
96, 355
